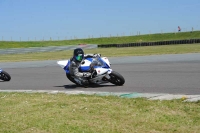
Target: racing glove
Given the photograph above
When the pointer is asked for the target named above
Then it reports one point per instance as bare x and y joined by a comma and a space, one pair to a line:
86, 74
97, 54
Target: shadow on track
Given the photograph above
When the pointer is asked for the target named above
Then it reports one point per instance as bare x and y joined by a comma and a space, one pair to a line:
73, 86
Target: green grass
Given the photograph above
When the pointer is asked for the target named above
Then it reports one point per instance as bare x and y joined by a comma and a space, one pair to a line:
104, 40
108, 52
57, 113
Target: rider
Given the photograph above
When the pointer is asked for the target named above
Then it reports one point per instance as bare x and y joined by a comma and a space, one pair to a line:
76, 61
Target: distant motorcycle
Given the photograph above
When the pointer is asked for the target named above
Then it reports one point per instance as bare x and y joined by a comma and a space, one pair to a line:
100, 69
4, 75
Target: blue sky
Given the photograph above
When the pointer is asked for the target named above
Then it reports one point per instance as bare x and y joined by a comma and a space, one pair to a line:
66, 19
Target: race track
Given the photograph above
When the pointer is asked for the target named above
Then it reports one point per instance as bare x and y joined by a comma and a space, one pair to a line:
174, 74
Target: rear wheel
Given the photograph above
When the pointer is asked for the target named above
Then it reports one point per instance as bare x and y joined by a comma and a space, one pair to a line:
84, 83
71, 79
5, 76
116, 78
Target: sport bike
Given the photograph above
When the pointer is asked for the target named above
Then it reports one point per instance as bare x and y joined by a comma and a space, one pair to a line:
100, 70
4, 75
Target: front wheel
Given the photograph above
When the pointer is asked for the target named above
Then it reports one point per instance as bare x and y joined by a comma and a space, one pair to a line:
5, 76
116, 78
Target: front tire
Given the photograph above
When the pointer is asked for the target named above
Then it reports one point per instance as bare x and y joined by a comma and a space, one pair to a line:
5, 76
116, 78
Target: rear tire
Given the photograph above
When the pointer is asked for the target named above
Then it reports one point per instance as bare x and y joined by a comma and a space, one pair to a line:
71, 79
116, 78
5, 76
84, 83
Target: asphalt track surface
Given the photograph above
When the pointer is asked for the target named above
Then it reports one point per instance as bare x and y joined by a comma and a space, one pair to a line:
173, 74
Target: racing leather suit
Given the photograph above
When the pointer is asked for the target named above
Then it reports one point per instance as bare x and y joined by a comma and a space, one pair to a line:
80, 78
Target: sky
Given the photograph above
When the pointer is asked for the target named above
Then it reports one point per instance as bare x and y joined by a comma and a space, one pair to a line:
22, 20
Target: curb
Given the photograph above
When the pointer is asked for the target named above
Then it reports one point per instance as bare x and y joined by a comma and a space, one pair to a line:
149, 96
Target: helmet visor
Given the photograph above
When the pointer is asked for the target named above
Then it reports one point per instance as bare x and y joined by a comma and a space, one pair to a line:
79, 57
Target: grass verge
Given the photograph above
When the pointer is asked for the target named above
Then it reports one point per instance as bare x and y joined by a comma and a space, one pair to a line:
108, 52
103, 40
50, 113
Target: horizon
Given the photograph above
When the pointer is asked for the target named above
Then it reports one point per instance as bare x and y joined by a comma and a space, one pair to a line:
48, 40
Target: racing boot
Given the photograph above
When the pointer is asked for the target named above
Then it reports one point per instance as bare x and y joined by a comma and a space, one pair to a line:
85, 83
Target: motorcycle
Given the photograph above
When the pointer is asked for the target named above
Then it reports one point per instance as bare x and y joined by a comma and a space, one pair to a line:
100, 69
4, 75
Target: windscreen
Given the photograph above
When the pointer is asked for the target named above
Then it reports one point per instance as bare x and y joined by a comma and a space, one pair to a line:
97, 62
